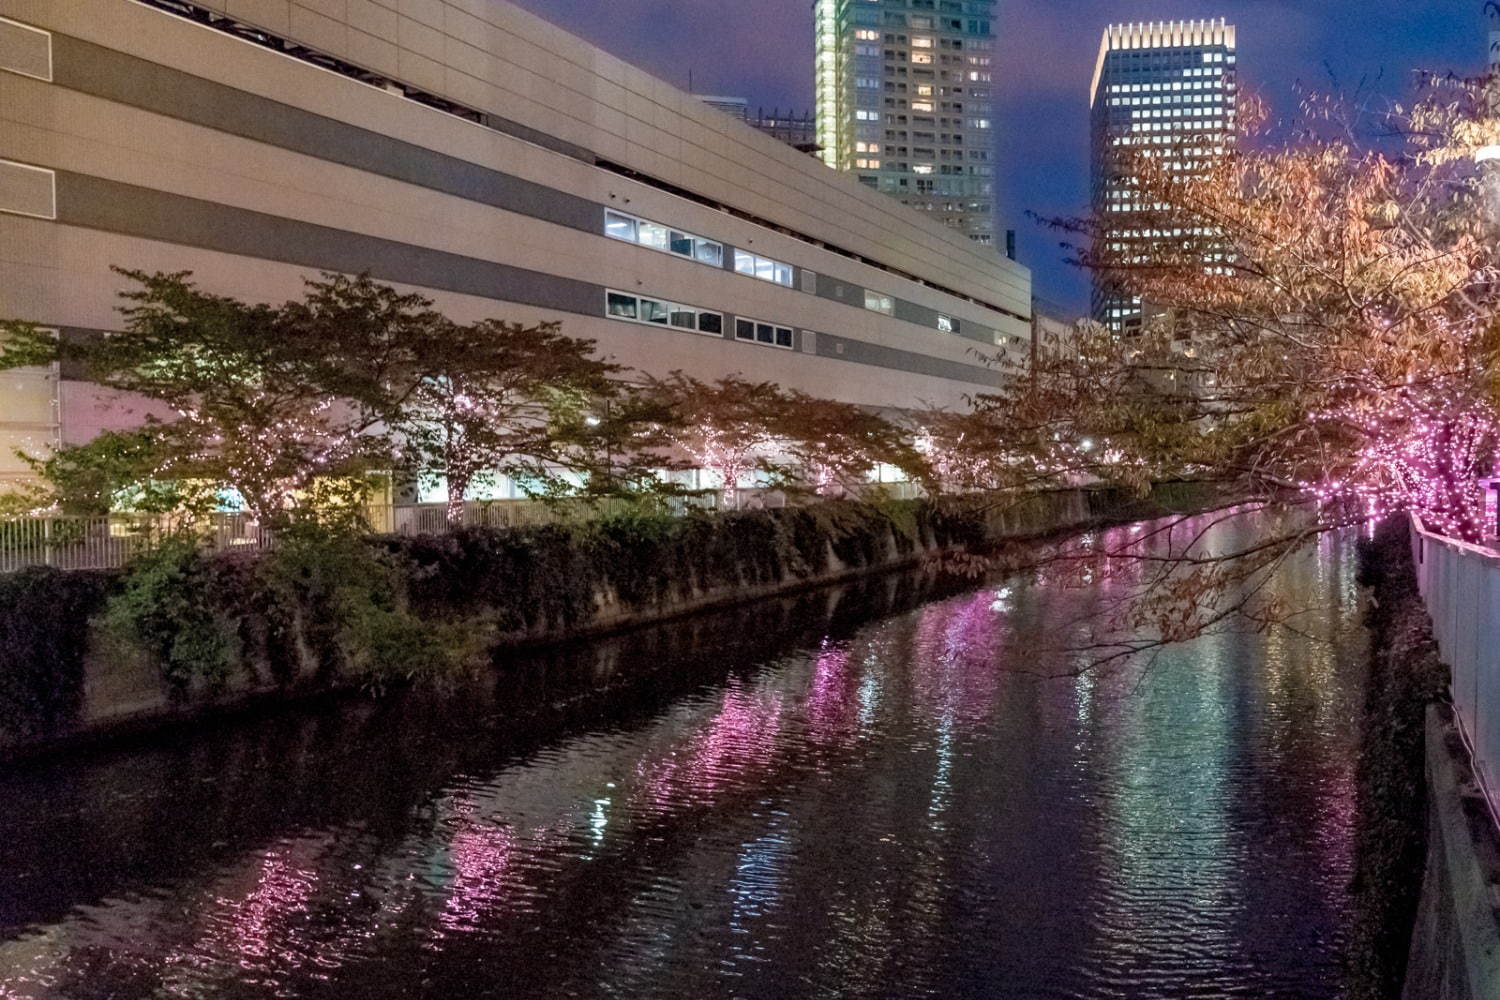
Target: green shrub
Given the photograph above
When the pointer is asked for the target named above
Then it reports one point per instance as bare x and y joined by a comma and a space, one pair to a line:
345, 600
43, 640
168, 606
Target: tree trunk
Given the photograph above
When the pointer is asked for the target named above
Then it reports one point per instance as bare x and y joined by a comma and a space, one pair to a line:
458, 485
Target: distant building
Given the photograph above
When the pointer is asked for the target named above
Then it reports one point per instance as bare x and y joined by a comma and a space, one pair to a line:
735, 107
798, 131
1052, 326
1168, 88
905, 103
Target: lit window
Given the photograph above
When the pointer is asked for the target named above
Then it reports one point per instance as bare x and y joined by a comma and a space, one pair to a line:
866, 35
921, 168
763, 268
876, 302
649, 234
921, 42
921, 106
922, 58
708, 252
946, 324
620, 227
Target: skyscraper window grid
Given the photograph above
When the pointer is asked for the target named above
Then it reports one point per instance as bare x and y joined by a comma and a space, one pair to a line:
905, 102
1165, 89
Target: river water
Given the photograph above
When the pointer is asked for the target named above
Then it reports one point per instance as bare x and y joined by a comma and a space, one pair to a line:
860, 793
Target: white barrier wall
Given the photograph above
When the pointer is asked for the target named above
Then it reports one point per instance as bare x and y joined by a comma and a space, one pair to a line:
1461, 586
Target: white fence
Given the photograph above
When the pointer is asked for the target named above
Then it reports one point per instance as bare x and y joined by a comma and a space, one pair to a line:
111, 542
1460, 584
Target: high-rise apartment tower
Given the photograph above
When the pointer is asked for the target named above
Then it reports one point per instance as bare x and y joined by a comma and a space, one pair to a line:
905, 102
1166, 88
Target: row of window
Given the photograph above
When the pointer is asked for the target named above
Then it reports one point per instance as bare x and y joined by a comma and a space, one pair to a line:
641, 309
764, 268
657, 312
631, 229
755, 331
619, 226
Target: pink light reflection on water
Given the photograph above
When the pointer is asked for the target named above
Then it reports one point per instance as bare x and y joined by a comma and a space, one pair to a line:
833, 706
956, 674
482, 855
738, 743
260, 931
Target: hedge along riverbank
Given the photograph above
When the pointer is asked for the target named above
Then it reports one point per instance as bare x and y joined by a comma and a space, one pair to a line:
181, 633
1405, 676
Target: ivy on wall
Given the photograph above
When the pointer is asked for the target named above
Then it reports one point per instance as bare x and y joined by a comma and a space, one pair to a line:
43, 637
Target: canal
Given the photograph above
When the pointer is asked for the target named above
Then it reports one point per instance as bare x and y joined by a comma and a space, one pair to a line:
867, 792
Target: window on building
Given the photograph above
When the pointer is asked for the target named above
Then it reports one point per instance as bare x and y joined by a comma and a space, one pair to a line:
651, 234
653, 311
763, 268
876, 302
622, 306
946, 324
620, 227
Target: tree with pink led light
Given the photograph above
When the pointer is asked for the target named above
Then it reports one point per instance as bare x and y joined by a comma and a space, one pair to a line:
734, 428
727, 427
1320, 342
1320, 328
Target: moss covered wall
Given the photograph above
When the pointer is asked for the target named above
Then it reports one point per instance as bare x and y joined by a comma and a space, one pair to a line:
211, 633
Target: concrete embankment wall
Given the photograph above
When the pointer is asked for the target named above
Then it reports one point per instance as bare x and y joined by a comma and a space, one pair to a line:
1424, 922
76, 679
1455, 948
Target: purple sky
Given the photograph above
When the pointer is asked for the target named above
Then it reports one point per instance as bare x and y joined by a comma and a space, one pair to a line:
1045, 58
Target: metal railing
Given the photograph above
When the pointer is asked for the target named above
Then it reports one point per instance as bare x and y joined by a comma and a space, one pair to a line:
1460, 584
111, 542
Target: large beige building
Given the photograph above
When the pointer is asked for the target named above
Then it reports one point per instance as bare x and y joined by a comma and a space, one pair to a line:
471, 151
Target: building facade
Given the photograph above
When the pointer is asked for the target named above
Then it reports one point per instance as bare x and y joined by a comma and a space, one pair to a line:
474, 153
905, 103
1168, 89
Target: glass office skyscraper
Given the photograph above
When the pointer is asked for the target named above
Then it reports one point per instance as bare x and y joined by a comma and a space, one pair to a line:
905, 102
1168, 89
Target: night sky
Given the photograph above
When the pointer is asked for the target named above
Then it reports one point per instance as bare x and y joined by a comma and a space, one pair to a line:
762, 50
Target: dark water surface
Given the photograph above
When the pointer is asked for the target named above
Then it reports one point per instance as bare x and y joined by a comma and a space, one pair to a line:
843, 795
